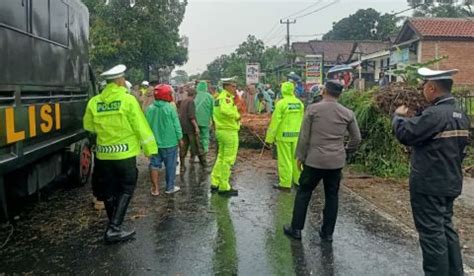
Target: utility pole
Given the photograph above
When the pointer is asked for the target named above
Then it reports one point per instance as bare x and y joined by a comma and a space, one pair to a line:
287, 22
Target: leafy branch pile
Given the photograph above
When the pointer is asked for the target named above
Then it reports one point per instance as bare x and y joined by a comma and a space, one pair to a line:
397, 94
253, 129
379, 153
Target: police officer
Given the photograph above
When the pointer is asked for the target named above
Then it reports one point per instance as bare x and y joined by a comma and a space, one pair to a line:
121, 129
438, 137
284, 129
227, 122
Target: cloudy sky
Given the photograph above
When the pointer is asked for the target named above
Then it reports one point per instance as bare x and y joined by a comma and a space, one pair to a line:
216, 27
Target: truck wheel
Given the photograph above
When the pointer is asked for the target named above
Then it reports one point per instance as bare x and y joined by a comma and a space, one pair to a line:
81, 165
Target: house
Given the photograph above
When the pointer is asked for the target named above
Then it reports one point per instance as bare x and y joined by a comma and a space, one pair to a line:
373, 57
334, 52
423, 39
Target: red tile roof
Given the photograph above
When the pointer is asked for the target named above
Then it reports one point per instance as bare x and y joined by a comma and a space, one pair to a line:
443, 27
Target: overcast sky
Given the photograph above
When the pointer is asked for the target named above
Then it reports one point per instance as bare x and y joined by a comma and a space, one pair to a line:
217, 27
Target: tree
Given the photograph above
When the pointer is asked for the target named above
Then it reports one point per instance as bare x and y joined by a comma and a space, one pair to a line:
181, 77
145, 37
365, 24
252, 50
444, 8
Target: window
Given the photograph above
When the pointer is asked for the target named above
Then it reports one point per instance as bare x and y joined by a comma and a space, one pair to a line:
50, 20
13, 13
59, 14
40, 18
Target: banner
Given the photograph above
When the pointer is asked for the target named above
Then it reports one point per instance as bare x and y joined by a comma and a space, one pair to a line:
314, 70
252, 73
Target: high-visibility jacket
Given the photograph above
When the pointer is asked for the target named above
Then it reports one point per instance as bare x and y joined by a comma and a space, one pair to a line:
287, 118
120, 125
226, 115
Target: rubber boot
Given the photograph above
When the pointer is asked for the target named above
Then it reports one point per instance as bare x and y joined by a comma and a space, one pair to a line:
114, 232
109, 204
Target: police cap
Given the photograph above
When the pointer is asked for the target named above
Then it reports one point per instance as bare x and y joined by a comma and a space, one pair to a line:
114, 72
428, 74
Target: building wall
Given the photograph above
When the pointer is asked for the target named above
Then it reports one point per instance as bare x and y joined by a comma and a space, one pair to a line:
460, 56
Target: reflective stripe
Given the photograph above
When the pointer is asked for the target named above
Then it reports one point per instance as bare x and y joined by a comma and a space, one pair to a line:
112, 148
452, 133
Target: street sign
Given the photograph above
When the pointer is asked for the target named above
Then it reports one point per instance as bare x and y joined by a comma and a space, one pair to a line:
314, 69
252, 73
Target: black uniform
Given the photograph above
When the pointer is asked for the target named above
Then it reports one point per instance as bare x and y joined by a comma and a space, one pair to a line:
438, 137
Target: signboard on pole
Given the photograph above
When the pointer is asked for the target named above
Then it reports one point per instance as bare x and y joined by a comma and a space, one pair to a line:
252, 73
314, 70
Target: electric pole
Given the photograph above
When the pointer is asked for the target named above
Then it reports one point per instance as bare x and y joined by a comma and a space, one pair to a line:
287, 22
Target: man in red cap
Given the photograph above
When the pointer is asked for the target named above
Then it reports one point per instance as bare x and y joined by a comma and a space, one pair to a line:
164, 123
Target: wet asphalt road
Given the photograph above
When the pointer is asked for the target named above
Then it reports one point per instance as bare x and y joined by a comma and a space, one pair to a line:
196, 233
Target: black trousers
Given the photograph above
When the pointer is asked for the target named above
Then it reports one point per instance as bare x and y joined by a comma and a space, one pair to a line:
112, 178
438, 240
310, 177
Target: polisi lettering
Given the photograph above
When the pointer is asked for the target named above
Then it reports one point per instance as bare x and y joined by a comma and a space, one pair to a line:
112, 106
42, 118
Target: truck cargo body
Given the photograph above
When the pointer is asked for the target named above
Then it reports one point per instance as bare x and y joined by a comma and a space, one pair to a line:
45, 83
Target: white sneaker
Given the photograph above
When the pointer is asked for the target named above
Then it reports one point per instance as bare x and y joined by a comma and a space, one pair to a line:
176, 189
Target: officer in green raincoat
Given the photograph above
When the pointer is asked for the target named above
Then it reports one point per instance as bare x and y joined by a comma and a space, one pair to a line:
284, 129
122, 132
227, 122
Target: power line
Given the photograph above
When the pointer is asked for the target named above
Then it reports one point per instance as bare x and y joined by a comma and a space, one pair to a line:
303, 10
278, 31
409, 9
271, 31
319, 9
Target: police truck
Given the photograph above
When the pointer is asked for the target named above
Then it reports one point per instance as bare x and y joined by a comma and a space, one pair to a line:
45, 83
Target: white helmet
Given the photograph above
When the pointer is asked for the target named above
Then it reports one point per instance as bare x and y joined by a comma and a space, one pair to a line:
145, 83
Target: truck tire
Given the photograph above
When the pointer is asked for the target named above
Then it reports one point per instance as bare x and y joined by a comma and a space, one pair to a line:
80, 163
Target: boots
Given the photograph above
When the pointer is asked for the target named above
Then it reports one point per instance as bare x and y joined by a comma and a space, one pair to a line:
114, 232
109, 204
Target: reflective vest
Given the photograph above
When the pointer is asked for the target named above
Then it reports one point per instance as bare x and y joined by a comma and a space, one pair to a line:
121, 128
226, 115
287, 118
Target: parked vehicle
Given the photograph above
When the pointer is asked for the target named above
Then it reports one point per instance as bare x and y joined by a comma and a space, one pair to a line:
45, 83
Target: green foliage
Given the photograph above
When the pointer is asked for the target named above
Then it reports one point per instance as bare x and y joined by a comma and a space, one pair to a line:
181, 77
366, 24
251, 50
143, 37
442, 8
380, 153
409, 72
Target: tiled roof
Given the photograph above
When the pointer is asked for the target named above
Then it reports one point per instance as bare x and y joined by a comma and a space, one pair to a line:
443, 27
369, 47
302, 48
334, 51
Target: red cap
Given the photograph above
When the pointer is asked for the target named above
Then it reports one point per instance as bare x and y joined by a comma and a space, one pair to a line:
163, 92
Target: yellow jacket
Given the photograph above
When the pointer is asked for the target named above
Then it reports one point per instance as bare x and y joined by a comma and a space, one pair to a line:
121, 128
226, 115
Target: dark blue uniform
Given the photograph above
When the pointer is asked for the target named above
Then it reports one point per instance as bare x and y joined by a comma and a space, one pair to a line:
439, 138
